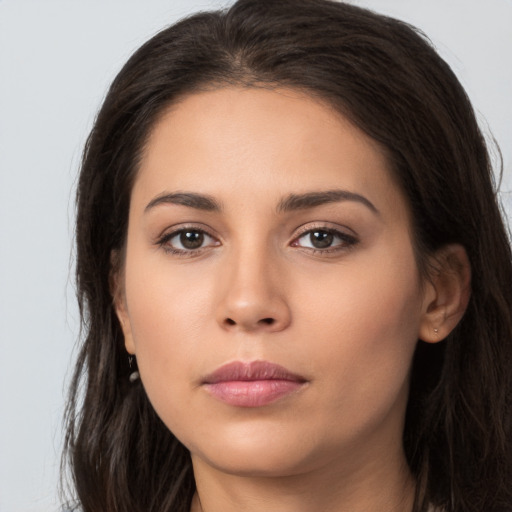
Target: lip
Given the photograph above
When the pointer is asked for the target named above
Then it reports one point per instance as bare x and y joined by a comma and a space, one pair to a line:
252, 384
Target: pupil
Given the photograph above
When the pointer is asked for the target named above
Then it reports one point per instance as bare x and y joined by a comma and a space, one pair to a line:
321, 239
191, 239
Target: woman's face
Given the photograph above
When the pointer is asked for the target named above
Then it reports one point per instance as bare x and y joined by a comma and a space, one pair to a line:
267, 234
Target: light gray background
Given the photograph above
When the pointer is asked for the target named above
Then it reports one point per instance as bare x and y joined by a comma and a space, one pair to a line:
56, 61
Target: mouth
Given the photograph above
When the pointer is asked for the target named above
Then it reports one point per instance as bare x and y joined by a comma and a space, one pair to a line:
253, 384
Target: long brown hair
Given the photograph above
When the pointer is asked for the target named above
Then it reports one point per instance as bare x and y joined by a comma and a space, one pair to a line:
386, 77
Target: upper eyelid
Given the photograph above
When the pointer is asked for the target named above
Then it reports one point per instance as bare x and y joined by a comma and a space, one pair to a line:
324, 226
172, 234
173, 230
336, 232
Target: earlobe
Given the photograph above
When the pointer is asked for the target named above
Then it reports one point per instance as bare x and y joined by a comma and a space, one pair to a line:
117, 292
447, 293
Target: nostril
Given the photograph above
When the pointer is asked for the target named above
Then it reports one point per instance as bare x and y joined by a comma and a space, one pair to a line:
263, 321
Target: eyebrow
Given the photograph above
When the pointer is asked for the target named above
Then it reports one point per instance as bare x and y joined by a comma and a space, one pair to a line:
313, 199
291, 202
190, 199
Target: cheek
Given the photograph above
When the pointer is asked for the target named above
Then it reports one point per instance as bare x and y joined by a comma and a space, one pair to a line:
379, 295
365, 324
169, 314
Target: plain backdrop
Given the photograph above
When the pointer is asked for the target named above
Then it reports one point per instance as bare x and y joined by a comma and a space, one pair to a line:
57, 58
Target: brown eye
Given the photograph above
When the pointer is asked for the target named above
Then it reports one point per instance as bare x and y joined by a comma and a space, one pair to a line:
325, 240
187, 241
191, 239
321, 239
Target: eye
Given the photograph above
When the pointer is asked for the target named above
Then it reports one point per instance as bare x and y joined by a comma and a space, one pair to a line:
326, 240
187, 240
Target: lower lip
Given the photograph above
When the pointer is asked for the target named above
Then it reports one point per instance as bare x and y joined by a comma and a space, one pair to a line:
254, 393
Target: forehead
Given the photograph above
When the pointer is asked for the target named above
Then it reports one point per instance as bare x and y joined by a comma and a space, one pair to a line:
259, 141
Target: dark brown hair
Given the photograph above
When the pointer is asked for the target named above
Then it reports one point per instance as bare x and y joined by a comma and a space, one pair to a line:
386, 77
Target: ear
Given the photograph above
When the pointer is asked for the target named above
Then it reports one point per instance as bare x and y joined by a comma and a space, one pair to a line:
447, 293
117, 290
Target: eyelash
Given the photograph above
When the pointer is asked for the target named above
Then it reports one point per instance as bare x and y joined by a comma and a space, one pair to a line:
164, 242
346, 241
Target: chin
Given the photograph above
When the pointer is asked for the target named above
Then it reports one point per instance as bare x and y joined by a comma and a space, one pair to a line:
258, 453
254, 463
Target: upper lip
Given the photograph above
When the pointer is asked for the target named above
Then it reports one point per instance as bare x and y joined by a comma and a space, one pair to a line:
250, 371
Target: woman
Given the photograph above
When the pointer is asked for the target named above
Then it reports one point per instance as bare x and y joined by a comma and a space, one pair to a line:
293, 273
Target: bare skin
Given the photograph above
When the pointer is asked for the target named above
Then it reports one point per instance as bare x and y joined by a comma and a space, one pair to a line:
266, 227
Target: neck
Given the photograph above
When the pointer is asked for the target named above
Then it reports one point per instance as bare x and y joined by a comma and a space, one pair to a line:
382, 484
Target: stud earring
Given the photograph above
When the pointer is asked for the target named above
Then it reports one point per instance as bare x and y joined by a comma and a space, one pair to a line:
134, 375
436, 332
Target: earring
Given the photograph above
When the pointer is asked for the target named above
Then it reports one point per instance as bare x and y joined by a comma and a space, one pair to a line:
135, 374
436, 332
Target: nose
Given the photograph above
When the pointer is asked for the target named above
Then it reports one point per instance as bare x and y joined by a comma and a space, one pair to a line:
253, 297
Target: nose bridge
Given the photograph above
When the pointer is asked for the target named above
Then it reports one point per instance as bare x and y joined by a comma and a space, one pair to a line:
254, 290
